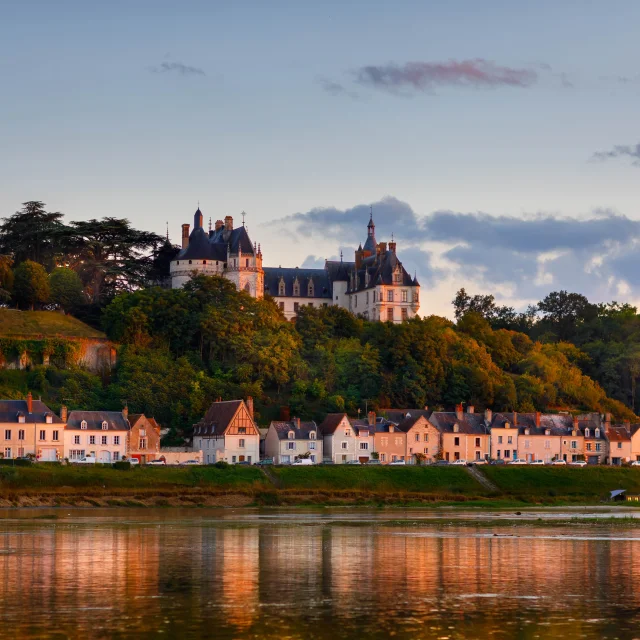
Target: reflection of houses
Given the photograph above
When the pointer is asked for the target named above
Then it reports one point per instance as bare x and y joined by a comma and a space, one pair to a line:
102, 434
287, 441
228, 433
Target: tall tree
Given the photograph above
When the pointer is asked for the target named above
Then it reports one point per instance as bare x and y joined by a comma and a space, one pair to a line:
6, 277
66, 288
31, 284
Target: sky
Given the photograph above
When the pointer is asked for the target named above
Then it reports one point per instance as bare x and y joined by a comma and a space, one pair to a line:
497, 140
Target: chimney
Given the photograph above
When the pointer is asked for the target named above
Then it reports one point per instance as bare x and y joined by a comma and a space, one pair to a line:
426, 407
470, 408
607, 421
575, 423
125, 412
515, 419
249, 404
285, 414
627, 425
228, 223
371, 417
383, 247
488, 415
63, 413
296, 423
392, 247
29, 403
459, 411
537, 418
219, 225
185, 236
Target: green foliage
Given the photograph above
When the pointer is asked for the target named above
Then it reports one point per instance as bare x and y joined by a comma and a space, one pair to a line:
31, 284
66, 288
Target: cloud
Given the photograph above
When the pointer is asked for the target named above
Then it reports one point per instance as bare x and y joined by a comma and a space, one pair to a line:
518, 258
425, 76
179, 68
335, 88
619, 151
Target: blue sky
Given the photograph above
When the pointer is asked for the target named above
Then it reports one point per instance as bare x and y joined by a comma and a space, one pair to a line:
490, 109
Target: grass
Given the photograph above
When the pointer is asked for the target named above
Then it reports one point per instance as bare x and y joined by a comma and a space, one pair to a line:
44, 324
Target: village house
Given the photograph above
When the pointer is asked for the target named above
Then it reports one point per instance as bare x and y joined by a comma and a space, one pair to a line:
339, 438
102, 434
29, 427
464, 435
572, 442
595, 442
143, 438
422, 439
504, 436
619, 437
389, 442
228, 433
293, 439
635, 441
364, 439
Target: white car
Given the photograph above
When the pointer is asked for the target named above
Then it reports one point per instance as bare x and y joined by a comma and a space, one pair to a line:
479, 461
559, 462
578, 463
189, 462
537, 462
302, 462
397, 462
459, 462
86, 460
156, 463
133, 461
517, 461
635, 463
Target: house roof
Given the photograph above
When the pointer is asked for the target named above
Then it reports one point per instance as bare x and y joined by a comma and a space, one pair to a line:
398, 415
218, 417
378, 269
135, 417
11, 409
301, 432
469, 423
94, 419
319, 277
406, 424
618, 433
331, 422
337, 270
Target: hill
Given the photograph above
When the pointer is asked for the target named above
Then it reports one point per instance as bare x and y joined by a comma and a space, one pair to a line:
47, 324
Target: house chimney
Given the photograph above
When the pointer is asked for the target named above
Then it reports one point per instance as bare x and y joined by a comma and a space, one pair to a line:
63, 413
515, 419
371, 417
459, 411
392, 247
185, 235
537, 418
296, 423
219, 225
125, 412
607, 422
29, 403
627, 425
228, 223
488, 415
383, 247
575, 422
249, 404
470, 408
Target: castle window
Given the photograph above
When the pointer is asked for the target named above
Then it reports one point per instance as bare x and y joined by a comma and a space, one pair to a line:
415, 296
374, 295
597, 433
586, 432
390, 314
177, 261
390, 295
281, 288
204, 262
367, 298
247, 288
189, 261
310, 290
404, 295
247, 263
355, 301
405, 314
296, 288
296, 306
281, 305
397, 277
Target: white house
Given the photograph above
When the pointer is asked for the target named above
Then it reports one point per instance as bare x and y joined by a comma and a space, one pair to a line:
286, 441
102, 434
228, 433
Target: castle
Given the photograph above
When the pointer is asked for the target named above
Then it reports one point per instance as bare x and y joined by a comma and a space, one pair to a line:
375, 285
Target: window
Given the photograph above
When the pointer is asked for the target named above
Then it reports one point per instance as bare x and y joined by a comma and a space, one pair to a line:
597, 433
404, 313
116, 456
403, 295
116, 440
417, 437
355, 301
312, 435
142, 444
241, 443
426, 451
586, 432
296, 306
104, 440
313, 458
20, 418
390, 295
246, 264
310, 290
415, 296
588, 446
291, 446
598, 446
20, 434
76, 454
92, 439
347, 433
397, 277
7, 452
281, 289
499, 439
374, 295
281, 305
477, 442
43, 434
344, 445
56, 436
20, 452
426, 437
233, 459
619, 445
48, 418
104, 425
296, 288
509, 439
507, 453
142, 433
76, 439
364, 446
498, 454
574, 444
242, 430
390, 315
456, 442
547, 444
344, 458
83, 424
291, 435
527, 444
312, 445
367, 297
383, 457
7, 434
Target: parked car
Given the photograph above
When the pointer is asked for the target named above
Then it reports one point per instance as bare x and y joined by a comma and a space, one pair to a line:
537, 463
635, 463
441, 463
374, 461
459, 462
327, 462
86, 460
478, 461
189, 462
157, 463
498, 461
352, 462
397, 463
265, 462
133, 461
517, 461
243, 463
302, 462
559, 462
578, 463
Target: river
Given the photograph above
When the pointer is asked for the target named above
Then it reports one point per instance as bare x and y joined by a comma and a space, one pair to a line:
321, 573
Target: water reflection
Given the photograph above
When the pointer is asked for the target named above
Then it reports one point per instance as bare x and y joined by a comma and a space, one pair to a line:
198, 576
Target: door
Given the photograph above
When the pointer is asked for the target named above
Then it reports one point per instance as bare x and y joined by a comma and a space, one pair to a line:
48, 455
363, 459
104, 457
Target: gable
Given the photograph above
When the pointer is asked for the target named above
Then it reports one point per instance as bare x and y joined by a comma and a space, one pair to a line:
241, 423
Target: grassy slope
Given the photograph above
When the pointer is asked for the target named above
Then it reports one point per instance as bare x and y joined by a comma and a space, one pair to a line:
586, 484
44, 323
431, 480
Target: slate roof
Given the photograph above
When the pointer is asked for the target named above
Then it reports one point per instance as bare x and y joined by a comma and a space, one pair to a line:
217, 418
94, 419
406, 424
11, 409
618, 433
331, 423
359, 424
398, 415
469, 423
301, 433
338, 270
134, 417
320, 278
380, 269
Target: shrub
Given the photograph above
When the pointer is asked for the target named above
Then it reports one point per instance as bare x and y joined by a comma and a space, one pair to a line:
221, 464
122, 465
12, 462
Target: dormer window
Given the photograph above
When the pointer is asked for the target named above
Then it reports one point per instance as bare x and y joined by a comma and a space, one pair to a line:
48, 418
296, 288
456, 428
527, 431
104, 425
292, 435
586, 432
547, 432
310, 290
21, 418
597, 433
347, 432
281, 287
312, 435
83, 424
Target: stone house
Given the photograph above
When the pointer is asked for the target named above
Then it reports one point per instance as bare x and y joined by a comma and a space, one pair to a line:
29, 427
287, 441
464, 435
339, 438
504, 435
596, 449
572, 442
103, 434
143, 438
228, 433
421, 438
389, 442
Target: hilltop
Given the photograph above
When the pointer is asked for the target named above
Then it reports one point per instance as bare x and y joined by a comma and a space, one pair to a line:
46, 324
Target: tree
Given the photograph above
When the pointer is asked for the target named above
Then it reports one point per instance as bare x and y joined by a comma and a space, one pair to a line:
6, 278
31, 284
66, 288
562, 312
